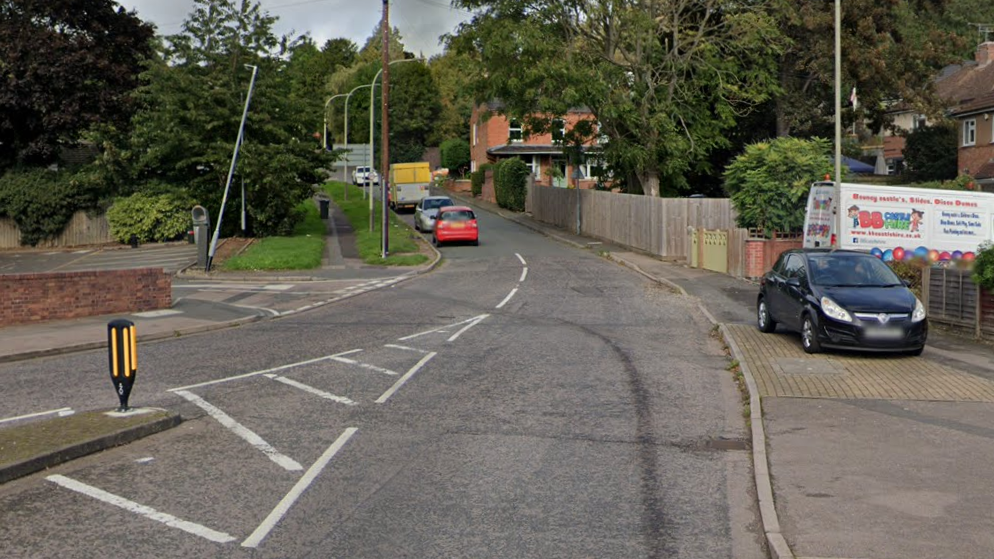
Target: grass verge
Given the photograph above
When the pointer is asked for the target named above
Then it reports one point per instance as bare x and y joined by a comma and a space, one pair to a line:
404, 250
301, 251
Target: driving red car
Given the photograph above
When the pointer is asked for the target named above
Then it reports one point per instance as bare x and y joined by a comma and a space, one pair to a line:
455, 223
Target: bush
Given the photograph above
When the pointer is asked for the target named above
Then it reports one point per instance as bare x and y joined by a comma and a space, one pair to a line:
769, 181
478, 177
150, 217
910, 271
42, 202
511, 184
455, 156
983, 267
930, 153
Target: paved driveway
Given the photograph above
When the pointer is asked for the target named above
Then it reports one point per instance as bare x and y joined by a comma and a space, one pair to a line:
170, 257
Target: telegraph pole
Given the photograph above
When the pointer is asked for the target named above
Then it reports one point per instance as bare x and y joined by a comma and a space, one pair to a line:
385, 129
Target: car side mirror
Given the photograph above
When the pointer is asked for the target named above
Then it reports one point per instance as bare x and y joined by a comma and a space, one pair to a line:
794, 282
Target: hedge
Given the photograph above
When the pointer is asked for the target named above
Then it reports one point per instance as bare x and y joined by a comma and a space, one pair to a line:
511, 184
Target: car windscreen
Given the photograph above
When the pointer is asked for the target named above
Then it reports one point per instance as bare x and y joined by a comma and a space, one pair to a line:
458, 215
431, 204
837, 270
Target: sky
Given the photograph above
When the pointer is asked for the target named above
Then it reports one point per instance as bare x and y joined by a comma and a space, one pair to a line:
420, 21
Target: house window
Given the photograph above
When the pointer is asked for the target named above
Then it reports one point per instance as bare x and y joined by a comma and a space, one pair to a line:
919, 122
558, 130
601, 136
472, 165
514, 131
536, 165
970, 132
475, 135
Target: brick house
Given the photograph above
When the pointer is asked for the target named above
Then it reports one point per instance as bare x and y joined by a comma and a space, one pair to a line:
971, 92
497, 137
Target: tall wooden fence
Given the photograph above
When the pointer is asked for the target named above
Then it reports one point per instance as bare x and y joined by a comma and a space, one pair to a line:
660, 226
82, 229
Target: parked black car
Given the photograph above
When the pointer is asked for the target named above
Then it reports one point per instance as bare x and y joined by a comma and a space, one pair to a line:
841, 299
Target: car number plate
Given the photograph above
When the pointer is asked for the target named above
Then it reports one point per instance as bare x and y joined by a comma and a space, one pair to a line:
458, 225
884, 333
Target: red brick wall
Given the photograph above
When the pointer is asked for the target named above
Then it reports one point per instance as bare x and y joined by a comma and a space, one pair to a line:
488, 193
60, 295
761, 254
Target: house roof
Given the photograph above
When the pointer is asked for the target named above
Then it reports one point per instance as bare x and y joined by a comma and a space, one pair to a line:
967, 87
531, 149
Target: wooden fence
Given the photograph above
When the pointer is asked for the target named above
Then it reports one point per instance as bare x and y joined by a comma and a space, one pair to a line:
952, 298
82, 230
660, 226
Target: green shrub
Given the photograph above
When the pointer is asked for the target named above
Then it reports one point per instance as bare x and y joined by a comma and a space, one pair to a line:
769, 182
910, 271
455, 156
150, 217
511, 184
478, 177
42, 202
983, 267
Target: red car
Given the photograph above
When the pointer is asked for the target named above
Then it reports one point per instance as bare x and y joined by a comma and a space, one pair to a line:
455, 223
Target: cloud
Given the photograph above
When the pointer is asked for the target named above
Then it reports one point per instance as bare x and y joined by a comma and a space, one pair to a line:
420, 22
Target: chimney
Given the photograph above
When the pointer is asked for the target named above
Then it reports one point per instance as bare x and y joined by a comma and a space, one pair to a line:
985, 53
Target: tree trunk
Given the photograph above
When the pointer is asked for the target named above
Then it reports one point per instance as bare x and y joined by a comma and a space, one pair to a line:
650, 183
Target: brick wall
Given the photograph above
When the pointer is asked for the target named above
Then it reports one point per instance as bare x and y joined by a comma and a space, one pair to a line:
488, 193
761, 254
28, 298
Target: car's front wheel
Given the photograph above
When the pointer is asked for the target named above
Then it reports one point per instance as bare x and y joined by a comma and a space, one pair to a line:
764, 321
809, 336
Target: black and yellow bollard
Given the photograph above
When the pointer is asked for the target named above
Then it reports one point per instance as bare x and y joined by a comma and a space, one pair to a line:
122, 346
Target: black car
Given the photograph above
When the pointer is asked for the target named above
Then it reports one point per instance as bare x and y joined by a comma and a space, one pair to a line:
841, 299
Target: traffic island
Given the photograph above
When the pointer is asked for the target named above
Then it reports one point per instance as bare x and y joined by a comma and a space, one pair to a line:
35, 446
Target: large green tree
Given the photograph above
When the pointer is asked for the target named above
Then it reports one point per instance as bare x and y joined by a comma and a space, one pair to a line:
665, 79
452, 73
192, 101
66, 66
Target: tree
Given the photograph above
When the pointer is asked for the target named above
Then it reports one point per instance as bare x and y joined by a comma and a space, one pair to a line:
192, 101
890, 50
452, 73
455, 155
414, 110
67, 65
664, 79
769, 181
930, 153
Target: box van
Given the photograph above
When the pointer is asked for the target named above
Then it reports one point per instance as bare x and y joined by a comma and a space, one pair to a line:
409, 183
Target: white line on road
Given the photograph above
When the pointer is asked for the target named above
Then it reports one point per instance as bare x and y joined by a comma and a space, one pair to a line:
242, 431
257, 373
61, 412
311, 389
298, 489
508, 298
444, 328
366, 366
147, 512
524, 274
475, 321
400, 382
523, 263
405, 348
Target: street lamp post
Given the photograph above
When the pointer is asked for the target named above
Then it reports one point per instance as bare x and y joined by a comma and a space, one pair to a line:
324, 141
837, 225
371, 100
346, 134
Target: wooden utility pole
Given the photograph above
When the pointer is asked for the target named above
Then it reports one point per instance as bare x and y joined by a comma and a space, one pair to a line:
385, 129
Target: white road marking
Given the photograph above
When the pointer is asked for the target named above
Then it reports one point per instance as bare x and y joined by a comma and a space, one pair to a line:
142, 510
508, 298
405, 348
278, 287
366, 366
475, 321
298, 489
443, 328
61, 412
524, 274
400, 382
311, 389
242, 431
523, 263
257, 373
145, 460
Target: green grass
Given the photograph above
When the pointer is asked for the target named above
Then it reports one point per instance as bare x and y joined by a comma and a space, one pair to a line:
403, 248
301, 251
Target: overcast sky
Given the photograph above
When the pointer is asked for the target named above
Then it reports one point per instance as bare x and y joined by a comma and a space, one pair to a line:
420, 21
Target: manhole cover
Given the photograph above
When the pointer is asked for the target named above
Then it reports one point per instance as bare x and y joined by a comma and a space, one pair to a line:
809, 366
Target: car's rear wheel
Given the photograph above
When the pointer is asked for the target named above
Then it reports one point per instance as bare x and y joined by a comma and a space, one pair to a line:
764, 321
435, 241
809, 336
916, 352
476, 243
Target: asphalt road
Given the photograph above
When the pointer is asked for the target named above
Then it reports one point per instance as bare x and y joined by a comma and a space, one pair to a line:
526, 399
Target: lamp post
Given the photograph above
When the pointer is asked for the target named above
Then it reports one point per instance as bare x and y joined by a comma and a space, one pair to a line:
346, 134
837, 225
324, 141
371, 100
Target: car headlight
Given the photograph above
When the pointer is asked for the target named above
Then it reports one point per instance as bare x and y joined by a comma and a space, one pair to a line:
919, 314
834, 311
